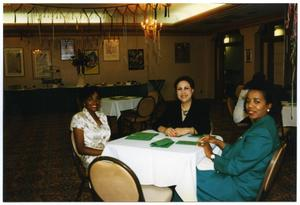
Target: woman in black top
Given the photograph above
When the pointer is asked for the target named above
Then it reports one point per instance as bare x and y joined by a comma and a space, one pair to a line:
186, 115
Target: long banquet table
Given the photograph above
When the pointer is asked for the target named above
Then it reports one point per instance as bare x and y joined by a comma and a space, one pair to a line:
175, 165
63, 99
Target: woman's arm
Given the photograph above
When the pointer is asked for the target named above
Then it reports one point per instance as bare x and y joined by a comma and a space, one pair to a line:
254, 149
185, 130
238, 113
81, 148
169, 131
211, 139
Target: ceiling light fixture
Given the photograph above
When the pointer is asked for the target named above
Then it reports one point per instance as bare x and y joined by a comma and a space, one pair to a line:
151, 29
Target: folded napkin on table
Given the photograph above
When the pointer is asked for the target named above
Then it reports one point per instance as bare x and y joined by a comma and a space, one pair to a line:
183, 142
141, 136
165, 143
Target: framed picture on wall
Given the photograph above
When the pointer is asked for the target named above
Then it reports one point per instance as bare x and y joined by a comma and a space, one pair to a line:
13, 62
41, 62
182, 52
111, 50
135, 59
248, 56
67, 49
92, 67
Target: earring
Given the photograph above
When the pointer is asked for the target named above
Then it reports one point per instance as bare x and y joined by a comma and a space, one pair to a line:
268, 110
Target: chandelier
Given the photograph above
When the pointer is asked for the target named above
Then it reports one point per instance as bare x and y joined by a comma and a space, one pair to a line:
151, 29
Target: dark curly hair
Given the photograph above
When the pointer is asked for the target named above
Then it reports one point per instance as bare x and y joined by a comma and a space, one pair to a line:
87, 92
185, 78
269, 94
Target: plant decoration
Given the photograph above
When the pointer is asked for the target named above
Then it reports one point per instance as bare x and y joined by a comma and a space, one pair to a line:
82, 60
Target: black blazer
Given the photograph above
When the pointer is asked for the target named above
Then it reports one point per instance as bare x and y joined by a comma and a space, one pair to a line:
197, 117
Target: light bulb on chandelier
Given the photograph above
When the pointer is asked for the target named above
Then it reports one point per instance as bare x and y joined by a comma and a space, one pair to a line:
151, 28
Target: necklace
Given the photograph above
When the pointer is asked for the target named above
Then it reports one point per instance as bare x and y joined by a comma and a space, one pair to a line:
185, 112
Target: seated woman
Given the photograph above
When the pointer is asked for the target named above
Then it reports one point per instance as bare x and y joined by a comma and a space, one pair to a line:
186, 115
90, 127
239, 113
239, 170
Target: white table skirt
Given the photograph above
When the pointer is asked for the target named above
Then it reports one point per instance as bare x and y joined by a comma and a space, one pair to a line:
113, 107
289, 116
162, 167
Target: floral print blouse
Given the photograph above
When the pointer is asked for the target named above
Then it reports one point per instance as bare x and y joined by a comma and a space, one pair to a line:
95, 136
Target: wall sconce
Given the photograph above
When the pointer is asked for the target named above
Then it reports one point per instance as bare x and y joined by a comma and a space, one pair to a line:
278, 30
226, 39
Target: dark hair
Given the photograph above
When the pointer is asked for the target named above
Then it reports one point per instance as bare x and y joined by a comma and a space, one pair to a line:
87, 92
185, 78
267, 89
257, 79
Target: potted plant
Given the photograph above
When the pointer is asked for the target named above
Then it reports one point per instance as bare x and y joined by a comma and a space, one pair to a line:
82, 60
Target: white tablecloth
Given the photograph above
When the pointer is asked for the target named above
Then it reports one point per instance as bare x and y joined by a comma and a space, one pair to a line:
289, 116
162, 167
113, 107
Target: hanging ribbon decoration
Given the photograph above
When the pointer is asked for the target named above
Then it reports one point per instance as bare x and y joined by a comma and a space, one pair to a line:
100, 21
40, 25
64, 17
28, 15
291, 27
52, 42
15, 12
155, 11
112, 17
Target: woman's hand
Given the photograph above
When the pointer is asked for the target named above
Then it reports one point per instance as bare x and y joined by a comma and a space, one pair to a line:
170, 132
211, 139
185, 130
207, 148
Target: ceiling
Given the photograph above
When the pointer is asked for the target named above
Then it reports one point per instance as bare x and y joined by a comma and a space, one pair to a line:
223, 18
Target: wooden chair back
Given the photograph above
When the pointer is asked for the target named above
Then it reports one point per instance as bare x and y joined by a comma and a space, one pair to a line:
113, 181
271, 171
146, 106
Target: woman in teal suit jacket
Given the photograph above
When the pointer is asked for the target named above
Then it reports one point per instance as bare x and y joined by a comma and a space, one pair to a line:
239, 171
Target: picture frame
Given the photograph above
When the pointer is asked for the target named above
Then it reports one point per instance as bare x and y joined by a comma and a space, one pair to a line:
67, 49
111, 50
135, 59
41, 64
13, 62
182, 52
93, 64
248, 55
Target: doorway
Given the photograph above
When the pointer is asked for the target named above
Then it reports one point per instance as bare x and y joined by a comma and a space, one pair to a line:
230, 72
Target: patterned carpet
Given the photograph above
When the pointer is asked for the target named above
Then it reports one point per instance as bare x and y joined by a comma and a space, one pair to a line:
38, 166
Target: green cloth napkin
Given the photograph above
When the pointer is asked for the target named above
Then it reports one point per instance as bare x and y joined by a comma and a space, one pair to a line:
141, 136
186, 142
165, 143
198, 135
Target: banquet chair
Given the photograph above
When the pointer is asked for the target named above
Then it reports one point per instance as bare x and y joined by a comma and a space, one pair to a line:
113, 181
141, 116
230, 105
81, 170
271, 172
238, 90
155, 95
